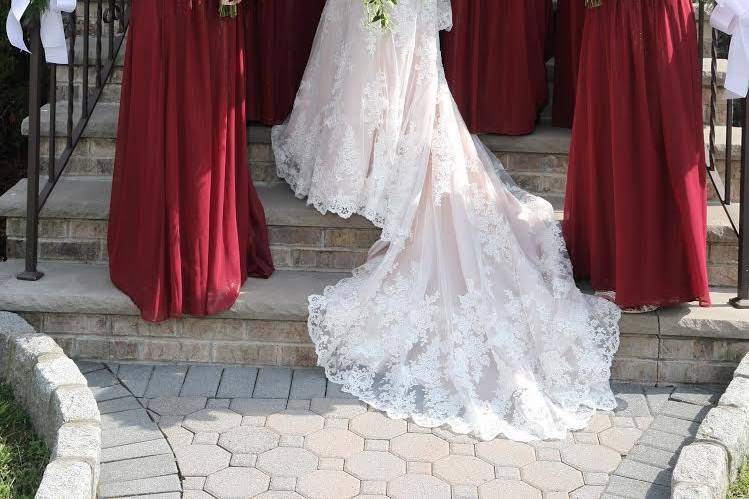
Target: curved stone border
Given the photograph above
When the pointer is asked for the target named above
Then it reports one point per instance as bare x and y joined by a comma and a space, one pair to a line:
706, 467
61, 407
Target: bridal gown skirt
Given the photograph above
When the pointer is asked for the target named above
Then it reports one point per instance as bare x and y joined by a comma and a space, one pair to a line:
279, 40
636, 202
465, 313
186, 227
495, 62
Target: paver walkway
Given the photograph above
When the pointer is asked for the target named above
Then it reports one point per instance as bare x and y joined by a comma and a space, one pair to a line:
202, 432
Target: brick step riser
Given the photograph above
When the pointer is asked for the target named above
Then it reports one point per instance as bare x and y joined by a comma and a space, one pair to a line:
641, 357
294, 248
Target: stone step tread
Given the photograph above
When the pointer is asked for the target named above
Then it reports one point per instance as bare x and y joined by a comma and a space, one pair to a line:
73, 288
82, 288
87, 198
545, 139
103, 124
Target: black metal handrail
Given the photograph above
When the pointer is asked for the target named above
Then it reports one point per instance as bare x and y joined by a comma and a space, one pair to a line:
736, 211
37, 194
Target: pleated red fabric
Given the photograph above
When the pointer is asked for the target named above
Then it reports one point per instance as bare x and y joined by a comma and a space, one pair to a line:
186, 227
279, 40
568, 37
494, 59
635, 210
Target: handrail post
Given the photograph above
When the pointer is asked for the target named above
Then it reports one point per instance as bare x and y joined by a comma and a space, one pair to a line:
742, 300
31, 273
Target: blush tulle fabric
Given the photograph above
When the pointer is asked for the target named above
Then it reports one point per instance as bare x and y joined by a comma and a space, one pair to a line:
635, 209
466, 313
186, 227
495, 62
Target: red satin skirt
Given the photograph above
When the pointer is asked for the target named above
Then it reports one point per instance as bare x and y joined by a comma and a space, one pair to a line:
494, 59
635, 210
279, 40
186, 227
568, 38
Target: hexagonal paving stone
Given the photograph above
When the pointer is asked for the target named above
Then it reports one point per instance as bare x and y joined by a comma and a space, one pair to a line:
587, 457
295, 422
598, 423
334, 442
218, 420
248, 440
237, 483
279, 494
373, 465
463, 470
419, 447
508, 489
377, 425
324, 484
551, 476
505, 453
620, 439
418, 487
201, 460
338, 408
287, 461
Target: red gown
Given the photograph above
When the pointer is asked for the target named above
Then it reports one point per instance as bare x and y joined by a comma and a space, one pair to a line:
568, 37
635, 209
279, 40
186, 227
494, 59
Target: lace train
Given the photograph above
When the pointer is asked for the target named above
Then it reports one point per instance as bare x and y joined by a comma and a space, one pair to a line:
466, 312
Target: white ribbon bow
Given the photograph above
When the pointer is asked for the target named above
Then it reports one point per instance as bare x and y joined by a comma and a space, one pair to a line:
51, 29
732, 17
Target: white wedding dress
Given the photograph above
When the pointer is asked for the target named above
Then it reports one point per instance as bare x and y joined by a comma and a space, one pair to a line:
466, 312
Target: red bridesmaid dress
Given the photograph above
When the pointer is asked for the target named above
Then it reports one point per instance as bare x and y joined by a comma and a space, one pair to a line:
186, 227
568, 38
279, 40
494, 60
635, 210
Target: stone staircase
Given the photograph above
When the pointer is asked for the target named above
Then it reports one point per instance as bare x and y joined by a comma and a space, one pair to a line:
76, 303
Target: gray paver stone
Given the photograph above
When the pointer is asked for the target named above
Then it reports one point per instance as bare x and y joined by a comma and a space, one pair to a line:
682, 410
176, 406
308, 384
135, 377
697, 395
645, 472
652, 456
144, 486
273, 383
140, 449
676, 426
621, 486
166, 381
237, 382
118, 405
201, 381
140, 467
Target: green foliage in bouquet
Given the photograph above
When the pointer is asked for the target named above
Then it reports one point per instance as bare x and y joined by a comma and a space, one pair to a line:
378, 12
